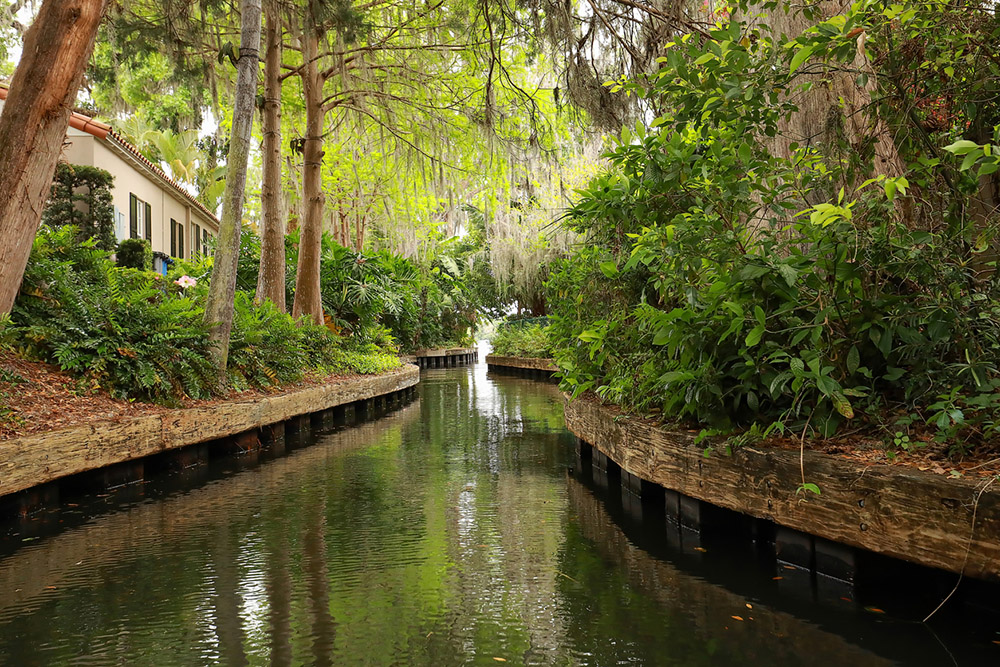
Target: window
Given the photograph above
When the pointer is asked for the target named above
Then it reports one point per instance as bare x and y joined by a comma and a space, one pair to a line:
140, 218
176, 239
205, 236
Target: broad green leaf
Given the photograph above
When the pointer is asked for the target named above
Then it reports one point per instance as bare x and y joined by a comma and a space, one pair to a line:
755, 335
827, 385
970, 159
890, 190
788, 273
961, 147
800, 57
842, 405
853, 360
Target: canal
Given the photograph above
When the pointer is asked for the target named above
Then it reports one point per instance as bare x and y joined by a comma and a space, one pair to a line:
452, 531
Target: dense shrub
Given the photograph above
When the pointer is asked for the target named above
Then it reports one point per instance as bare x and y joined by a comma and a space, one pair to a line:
369, 295
119, 329
139, 335
517, 339
134, 254
726, 287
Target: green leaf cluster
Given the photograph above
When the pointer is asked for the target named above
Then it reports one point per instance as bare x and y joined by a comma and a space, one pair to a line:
724, 286
139, 335
522, 339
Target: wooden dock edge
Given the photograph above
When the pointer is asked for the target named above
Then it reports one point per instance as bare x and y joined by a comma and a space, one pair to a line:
445, 357
40, 458
897, 511
526, 363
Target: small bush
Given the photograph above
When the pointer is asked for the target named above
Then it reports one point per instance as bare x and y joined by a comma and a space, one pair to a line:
134, 254
522, 340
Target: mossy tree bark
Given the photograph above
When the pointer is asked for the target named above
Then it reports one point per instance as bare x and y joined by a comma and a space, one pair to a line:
835, 108
33, 125
271, 278
222, 290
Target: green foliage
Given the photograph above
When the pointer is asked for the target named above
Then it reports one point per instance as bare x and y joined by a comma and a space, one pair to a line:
81, 196
727, 287
134, 254
522, 339
139, 335
366, 360
120, 329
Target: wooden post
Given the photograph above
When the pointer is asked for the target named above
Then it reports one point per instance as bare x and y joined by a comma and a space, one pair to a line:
27, 502
794, 547
273, 436
690, 512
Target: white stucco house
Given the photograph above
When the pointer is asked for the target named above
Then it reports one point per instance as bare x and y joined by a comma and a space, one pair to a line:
148, 203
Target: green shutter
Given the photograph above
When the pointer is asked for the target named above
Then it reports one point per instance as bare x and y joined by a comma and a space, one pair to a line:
180, 240
173, 237
149, 225
133, 217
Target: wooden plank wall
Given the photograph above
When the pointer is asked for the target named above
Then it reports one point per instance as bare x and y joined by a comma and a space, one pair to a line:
529, 363
39, 458
898, 511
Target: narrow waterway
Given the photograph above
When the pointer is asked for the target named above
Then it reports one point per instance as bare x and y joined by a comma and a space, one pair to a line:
448, 532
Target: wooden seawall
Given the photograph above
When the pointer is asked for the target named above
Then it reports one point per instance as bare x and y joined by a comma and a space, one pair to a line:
921, 517
40, 458
444, 357
533, 367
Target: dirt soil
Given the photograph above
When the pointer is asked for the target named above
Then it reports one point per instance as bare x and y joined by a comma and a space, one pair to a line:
37, 397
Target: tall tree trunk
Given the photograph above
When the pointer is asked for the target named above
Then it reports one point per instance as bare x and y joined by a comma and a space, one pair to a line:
307, 290
835, 104
293, 202
33, 125
359, 231
271, 277
222, 290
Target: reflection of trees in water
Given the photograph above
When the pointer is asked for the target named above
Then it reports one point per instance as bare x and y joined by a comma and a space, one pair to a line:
177, 572
431, 536
226, 600
314, 556
498, 408
279, 595
676, 614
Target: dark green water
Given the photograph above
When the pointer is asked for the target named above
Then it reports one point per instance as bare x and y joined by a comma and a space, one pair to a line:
446, 533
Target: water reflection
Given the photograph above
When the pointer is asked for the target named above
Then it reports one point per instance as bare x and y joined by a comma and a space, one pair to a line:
445, 533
